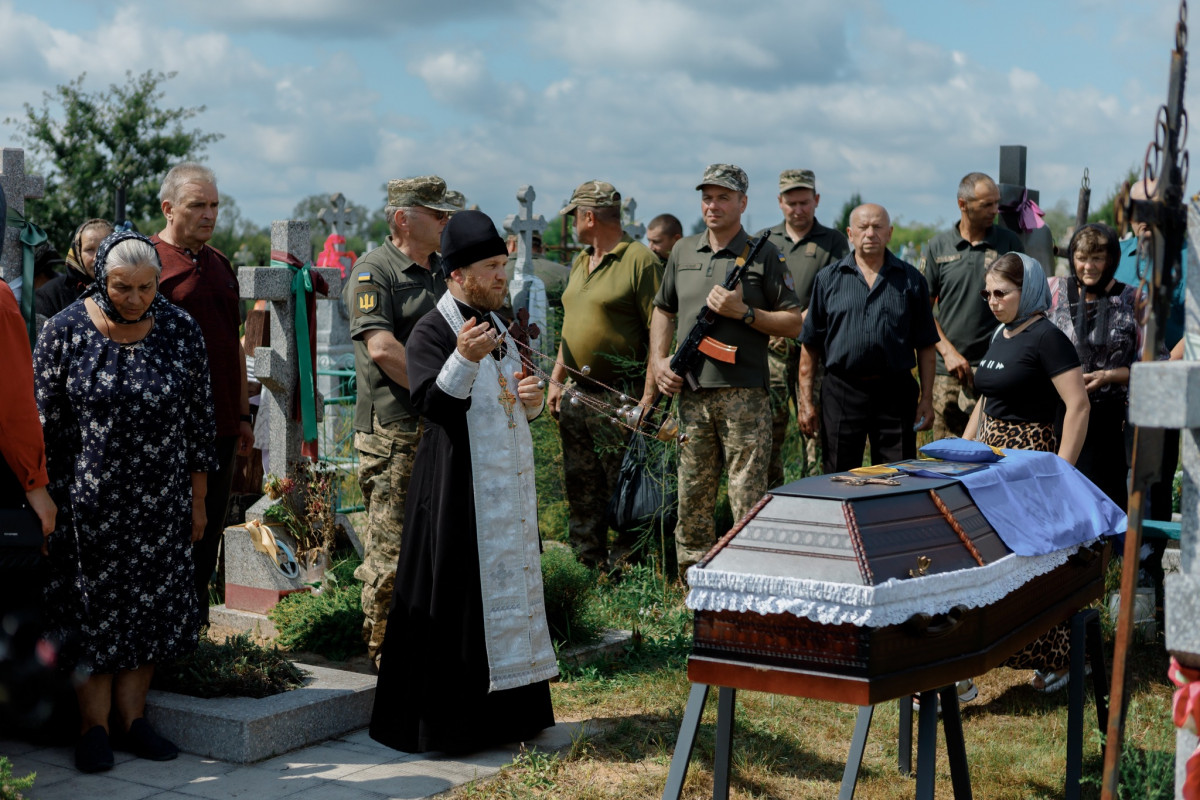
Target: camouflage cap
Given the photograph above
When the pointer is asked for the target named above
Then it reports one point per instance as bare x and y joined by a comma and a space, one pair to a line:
427, 190
797, 179
593, 194
456, 199
727, 175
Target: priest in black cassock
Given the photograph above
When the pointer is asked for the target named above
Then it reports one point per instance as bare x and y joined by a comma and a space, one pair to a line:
467, 658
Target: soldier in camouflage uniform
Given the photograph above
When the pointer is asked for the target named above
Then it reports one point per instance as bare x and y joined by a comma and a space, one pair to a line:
389, 289
606, 327
727, 420
808, 247
953, 263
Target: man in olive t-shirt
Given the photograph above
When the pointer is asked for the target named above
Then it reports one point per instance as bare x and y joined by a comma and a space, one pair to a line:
807, 247
728, 419
953, 263
388, 290
606, 328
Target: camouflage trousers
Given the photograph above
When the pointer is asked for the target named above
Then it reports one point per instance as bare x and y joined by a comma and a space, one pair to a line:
952, 406
725, 427
385, 458
785, 372
592, 451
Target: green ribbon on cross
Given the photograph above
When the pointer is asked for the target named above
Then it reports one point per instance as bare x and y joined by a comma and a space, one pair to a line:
302, 287
31, 236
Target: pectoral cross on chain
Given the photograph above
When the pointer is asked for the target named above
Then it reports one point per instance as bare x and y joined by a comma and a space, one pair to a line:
507, 399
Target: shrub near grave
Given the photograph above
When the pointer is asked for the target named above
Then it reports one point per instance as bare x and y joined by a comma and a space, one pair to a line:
329, 621
569, 589
236, 668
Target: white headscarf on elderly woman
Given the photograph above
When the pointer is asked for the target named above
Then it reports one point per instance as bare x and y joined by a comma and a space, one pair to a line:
1035, 292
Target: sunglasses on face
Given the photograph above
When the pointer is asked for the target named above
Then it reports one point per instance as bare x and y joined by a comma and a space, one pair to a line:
435, 213
999, 294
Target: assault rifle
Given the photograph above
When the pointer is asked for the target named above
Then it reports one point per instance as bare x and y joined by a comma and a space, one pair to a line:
686, 361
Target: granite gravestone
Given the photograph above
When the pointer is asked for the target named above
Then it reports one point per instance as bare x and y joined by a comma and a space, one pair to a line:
335, 348
1166, 394
252, 583
633, 228
17, 187
527, 289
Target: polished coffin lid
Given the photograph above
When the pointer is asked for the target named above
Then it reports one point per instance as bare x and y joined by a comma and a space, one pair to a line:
866, 555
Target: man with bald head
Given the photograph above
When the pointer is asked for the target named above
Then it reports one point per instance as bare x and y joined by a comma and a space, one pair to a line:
869, 321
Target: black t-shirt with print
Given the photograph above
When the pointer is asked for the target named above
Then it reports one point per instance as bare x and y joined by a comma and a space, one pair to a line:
1016, 375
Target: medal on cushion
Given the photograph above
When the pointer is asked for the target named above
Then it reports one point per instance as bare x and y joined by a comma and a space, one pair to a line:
506, 398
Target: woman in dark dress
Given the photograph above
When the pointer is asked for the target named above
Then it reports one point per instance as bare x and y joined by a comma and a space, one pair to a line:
60, 292
123, 390
1029, 371
1097, 313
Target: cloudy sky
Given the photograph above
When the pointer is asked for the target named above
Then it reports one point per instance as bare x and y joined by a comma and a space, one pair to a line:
894, 100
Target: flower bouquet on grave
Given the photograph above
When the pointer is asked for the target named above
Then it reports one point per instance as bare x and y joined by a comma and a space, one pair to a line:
306, 510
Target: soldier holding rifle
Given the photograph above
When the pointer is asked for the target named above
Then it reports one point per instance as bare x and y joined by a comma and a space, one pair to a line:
724, 408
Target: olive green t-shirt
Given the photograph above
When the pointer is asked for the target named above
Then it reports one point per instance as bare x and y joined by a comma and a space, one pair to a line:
386, 291
691, 272
816, 250
606, 312
953, 268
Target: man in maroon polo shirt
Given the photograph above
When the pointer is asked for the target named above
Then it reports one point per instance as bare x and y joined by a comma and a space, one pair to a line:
200, 280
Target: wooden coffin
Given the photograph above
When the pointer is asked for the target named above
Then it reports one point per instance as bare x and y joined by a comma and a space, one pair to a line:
894, 545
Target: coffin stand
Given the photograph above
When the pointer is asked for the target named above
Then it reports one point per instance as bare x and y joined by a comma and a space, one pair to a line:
869, 593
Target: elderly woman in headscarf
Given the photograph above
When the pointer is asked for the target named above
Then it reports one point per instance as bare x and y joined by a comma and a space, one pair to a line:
60, 292
1097, 313
1029, 372
122, 386
1030, 367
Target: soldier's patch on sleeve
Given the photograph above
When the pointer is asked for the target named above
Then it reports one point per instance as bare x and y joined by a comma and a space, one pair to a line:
788, 281
364, 277
366, 299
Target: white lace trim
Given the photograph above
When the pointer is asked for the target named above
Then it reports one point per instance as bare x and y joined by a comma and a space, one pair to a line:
890, 603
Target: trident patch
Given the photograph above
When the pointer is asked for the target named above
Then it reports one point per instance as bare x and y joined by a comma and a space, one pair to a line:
367, 300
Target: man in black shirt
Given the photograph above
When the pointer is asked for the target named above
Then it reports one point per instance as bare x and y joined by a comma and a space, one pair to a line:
868, 313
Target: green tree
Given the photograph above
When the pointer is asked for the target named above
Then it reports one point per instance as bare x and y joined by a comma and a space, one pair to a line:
843, 220
1106, 212
234, 230
88, 143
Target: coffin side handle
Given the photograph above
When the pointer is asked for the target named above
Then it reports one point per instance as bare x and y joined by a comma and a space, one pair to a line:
930, 625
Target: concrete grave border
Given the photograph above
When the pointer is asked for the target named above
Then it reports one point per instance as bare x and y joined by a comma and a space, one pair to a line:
243, 730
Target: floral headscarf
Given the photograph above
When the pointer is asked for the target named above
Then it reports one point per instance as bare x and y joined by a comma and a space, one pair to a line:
98, 291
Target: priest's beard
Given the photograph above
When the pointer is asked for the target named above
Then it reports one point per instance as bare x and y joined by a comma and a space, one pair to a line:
480, 297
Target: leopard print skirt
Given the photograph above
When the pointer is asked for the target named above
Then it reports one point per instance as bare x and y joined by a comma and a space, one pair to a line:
1017, 435
1050, 652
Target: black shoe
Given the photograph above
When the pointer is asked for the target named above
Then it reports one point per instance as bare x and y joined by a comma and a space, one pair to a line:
143, 742
93, 753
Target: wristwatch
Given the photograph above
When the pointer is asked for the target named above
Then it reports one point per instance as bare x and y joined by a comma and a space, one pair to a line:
748, 317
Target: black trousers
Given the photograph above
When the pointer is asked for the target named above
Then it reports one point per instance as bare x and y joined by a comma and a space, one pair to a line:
854, 411
216, 506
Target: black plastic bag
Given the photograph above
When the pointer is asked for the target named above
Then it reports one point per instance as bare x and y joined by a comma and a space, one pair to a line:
645, 495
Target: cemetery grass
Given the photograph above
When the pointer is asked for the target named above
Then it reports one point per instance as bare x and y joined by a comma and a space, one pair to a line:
795, 748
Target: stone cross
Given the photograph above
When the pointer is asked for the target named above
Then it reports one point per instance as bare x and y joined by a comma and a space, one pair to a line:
17, 187
1039, 243
337, 217
524, 224
528, 290
243, 256
635, 229
1166, 394
275, 367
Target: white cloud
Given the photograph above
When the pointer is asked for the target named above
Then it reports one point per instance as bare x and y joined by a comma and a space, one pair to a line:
461, 80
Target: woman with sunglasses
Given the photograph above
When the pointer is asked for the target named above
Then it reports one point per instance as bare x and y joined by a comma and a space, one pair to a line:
1097, 313
1030, 369
1029, 372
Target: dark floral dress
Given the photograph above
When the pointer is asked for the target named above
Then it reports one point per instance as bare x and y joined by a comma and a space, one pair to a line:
125, 426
